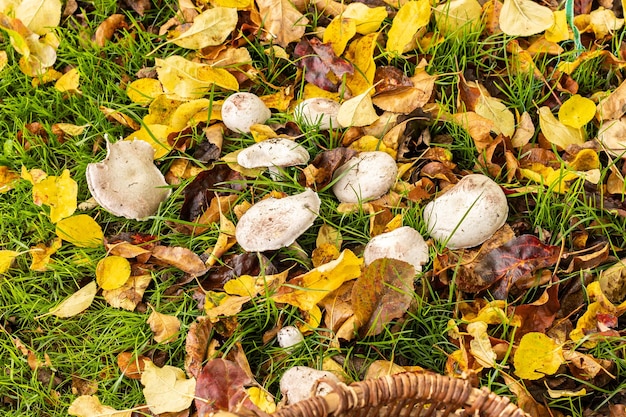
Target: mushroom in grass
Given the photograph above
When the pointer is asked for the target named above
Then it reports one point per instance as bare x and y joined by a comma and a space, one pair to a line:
403, 243
468, 214
242, 110
366, 176
321, 112
274, 154
301, 382
275, 223
127, 183
289, 336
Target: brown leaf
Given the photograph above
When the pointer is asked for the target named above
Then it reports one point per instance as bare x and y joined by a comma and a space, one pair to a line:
129, 295
139, 6
282, 21
252, 264
131, 365
164, 327
390, 79
181, 258
319, 60
539, 315
200, 192
107, 28
324, 166
220, 387
197, 345
381, 294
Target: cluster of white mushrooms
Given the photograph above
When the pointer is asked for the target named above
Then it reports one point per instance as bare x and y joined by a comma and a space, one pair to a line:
128, 184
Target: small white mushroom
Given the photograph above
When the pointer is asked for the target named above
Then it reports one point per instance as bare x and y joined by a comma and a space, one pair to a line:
277, 152
274, 223
127, 183
242, 110
289, 336
318, 111
403, 243
366, 176
301, 382
468, 214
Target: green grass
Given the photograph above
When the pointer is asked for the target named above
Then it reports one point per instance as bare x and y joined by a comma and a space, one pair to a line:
85, 347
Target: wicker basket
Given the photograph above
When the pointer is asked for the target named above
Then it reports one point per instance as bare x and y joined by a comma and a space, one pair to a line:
403, 395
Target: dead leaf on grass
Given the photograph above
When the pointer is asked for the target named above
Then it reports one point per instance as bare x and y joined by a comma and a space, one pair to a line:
164, 327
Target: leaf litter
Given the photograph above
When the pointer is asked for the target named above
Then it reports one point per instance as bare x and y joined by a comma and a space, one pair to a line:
381, 76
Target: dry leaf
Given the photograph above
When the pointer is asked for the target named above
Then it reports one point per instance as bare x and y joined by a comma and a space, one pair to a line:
493, 109
339, 31
130, 294
7, 178
189, 80
577, 111
367, 19
525, 18
209, 28
90, 406
282, 21
131, 365
358, 111
480, 345
75, 303
40, 16
181, 258
69, 82
144, 90
164, 327
453, 16
524, 132
166, 389
41, 254
556, 132
614, 106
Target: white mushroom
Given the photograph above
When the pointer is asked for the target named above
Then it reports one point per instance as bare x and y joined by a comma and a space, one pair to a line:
242, 110
301, 382
289, 336
468, 214
274, 223
403, 243
366, 176
272, 153
318, 111
127, 183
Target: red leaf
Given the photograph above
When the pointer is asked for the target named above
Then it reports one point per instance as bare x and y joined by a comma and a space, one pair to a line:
538, 316
319, 59
220, 387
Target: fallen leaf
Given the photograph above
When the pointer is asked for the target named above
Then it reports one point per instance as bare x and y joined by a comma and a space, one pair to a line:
556, 132
339, 31
209, 28
381, 294
225, 240
181, 258
144, 90
613, 282
60, 193
131, 365
7, 179
219, 304
129, 295
614, 106
6, 259
282, 21
197, 345
190, 80
412, 16
577, 111
262, 399
75, 303
537, 356
164, 327
40, 16
69, 82
108, 27
524, 18
559, 31
358, 111
220, 387
166, 389
321, 64
367, 19
90, 406
493, 109
524, 132
480, 345
80, 230
112, 272
455, 16
41, 254
360, 54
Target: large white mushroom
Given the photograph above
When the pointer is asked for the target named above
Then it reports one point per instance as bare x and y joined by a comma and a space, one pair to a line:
468, 214
273, 153
403, 243
321, 112
301, 382
242, 110
275, 223
127, 183
366, 176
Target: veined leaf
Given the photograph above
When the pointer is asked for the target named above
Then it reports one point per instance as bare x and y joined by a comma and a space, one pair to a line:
525, 18
209, 28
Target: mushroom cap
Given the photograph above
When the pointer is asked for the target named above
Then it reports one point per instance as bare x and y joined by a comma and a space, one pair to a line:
322, 111
301, 382
366, 176
127, 183
468, 214
277, 152
242, 110
403, 243
289, 336
274, 223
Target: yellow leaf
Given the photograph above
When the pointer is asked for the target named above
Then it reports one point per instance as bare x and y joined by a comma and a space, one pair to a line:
367, 19
166, 389
358, 111
71, 129
559, 31
156, 136
68, 83
282, 21
112, 272
261, 399
189, 114
603, 22
59, 193
493, 109
577, 111
90, 406
480, 346
244, 286
41, 254
40, 16
371, 143
189, 80
585, 160
318, 282
477, 126
221, 304
6, 260
412, 16
76, 303
144, 90
525, 18
80, 230
456, 16
225, 240
555, 179
209, 28
4, 60
262, 132
164, 327
339, 31
537, 356
237, 4
558, 133
130, 294
313, 91
361, 54
7, 179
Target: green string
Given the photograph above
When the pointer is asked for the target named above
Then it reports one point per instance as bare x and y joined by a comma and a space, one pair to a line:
569, 14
